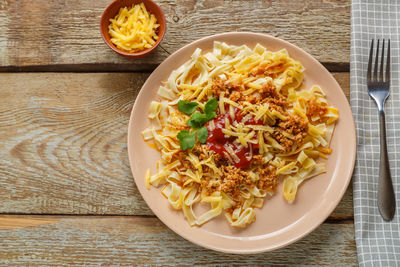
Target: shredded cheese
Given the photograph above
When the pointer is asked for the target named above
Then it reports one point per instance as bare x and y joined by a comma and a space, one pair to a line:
133, 29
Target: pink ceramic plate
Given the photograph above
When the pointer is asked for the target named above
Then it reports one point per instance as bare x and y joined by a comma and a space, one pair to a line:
278, 223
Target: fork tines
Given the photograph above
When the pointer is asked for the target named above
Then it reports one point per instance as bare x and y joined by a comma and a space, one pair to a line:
375, 70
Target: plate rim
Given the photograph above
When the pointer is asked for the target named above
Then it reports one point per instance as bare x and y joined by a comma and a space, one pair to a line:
316, 223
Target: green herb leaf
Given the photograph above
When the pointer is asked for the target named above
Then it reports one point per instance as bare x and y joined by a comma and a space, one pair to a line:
211, 105
211, 115
197, 120
186, 139
187, 107
202, 134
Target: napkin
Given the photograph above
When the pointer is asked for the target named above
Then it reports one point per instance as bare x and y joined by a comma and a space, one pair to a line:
378, 241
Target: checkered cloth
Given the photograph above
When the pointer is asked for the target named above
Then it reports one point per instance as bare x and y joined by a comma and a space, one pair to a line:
378, 241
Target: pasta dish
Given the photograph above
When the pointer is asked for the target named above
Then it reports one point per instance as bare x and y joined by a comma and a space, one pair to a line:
232, 124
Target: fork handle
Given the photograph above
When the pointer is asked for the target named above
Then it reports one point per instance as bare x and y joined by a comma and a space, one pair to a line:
386, 198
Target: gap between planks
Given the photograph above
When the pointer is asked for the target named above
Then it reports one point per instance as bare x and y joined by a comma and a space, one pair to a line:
23, 220
110, 67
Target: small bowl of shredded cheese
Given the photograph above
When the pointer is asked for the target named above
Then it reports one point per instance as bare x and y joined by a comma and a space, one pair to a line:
133, 28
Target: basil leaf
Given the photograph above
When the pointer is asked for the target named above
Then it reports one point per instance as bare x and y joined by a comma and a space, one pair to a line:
187, 107
202, 134
197, 120
186, 139
211, 105
211, 115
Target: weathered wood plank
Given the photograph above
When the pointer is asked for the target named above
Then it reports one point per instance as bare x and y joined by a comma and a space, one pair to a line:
63, 144
13, 222
137, 240
47, 35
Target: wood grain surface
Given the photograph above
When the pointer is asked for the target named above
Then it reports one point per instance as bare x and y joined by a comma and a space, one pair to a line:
128, 241
63, 144
13, 222
45, 35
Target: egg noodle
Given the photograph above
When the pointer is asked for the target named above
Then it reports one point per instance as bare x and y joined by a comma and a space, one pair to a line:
266, 129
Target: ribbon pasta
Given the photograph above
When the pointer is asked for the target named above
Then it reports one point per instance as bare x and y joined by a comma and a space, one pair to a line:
263, 110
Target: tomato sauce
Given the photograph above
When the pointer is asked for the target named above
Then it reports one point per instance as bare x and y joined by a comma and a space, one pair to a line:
216, 139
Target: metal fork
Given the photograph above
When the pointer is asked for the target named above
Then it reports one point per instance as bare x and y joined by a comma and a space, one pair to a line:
378, 89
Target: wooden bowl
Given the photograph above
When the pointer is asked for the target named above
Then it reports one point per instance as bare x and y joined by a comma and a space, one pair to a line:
112, 10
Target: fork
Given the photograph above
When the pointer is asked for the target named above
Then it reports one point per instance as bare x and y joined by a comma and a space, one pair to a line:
378, 89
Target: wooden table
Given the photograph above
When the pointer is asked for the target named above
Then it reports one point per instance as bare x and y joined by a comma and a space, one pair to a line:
66, 190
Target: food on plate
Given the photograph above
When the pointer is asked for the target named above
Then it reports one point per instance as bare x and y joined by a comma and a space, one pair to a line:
133, 29
230, 124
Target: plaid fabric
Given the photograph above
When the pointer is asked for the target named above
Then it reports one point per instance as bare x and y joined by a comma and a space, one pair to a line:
378, 241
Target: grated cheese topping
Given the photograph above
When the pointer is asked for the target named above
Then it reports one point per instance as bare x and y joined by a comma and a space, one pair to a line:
133, 29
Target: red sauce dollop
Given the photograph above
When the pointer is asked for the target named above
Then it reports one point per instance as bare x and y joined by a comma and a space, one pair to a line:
216, 139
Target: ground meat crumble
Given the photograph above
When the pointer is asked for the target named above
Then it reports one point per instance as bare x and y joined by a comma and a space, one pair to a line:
232, 178
315, 109
223, 86
295, 126
268, 179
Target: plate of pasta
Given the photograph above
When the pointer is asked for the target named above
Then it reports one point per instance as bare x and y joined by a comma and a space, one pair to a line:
241, 142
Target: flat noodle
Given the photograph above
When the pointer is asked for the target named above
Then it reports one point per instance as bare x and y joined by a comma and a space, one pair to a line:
285, 130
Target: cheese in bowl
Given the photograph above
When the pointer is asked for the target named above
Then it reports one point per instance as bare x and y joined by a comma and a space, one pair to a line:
232, 124
133, 29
